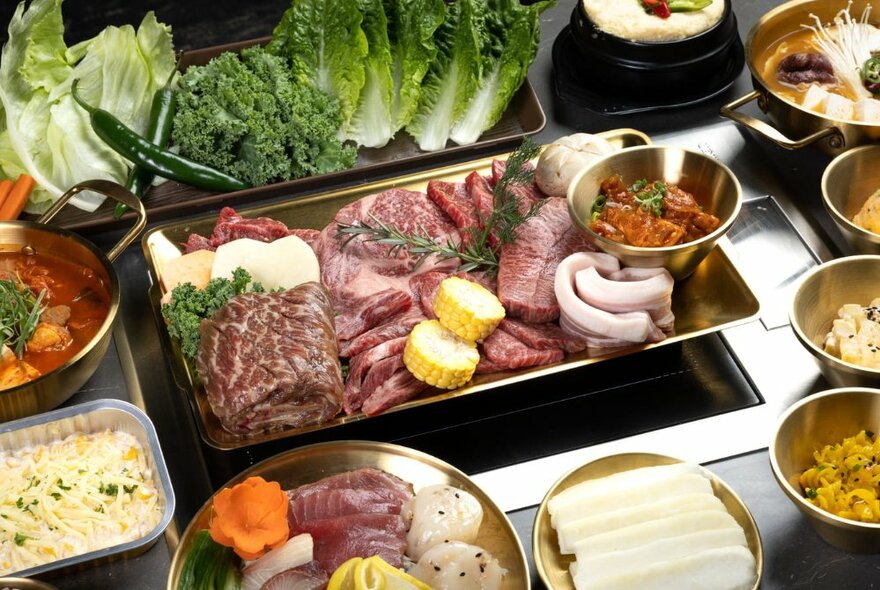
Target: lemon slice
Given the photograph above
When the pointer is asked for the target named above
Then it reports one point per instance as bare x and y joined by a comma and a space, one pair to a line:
368, 577
395, 579
344, 576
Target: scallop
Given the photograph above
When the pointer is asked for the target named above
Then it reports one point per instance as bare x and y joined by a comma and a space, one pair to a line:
441, 513
458, 566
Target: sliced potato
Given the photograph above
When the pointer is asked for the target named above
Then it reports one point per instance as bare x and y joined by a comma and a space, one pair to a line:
194, 268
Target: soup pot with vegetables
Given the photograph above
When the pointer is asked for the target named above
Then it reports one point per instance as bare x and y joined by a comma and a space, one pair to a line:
815, 68
59, 296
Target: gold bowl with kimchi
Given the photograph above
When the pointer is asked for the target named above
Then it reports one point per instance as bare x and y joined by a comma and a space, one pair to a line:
823, 455
712, 190
60, 298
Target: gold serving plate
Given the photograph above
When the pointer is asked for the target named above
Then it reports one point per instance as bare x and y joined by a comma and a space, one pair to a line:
553, 566
714, 297
313, 462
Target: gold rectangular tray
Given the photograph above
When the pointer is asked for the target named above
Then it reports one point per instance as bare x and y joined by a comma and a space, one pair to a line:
713, 298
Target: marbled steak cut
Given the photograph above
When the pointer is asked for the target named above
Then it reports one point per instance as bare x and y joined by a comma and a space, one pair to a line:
269, 360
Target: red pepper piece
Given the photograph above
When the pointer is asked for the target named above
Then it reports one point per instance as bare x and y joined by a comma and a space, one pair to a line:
662, 10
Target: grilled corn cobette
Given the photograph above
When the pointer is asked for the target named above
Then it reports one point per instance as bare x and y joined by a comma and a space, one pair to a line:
439, 357
443, 352
468, 309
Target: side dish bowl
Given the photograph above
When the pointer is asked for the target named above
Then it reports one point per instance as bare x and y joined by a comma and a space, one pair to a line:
848, 181
711, 183
807, 426
821, 293
54, 387
553, 566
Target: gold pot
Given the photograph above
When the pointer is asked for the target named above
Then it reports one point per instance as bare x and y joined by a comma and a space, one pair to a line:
795, 126
55, 387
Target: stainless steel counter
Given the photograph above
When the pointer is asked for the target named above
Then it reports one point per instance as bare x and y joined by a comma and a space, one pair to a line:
712, 400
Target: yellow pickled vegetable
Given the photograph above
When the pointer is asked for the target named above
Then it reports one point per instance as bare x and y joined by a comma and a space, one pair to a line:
468, 309
438, 356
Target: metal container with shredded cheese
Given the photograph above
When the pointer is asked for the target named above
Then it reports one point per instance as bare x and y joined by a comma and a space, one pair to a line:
80, 485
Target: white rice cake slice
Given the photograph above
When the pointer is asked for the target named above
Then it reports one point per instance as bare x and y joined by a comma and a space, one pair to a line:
572, 532
727, 568
654, 530
609, 564
867, 110
839, 107
815, 98
585, 491
615, 497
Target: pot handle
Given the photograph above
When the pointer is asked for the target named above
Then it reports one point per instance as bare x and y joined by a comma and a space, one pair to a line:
729, 111
116, 192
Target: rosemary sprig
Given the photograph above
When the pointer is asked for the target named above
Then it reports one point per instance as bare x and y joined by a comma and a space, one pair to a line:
420, 243
19, 314
475, 252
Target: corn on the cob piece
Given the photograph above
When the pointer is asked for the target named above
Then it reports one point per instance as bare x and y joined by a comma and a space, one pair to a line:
438, 356
468, 309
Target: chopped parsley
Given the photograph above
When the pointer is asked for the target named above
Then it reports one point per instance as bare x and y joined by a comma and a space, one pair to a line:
61, 486
56, 495
111, 489
20, 539
811, 493
129, 489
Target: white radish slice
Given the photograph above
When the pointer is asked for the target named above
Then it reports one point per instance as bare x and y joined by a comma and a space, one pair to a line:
626, 490
610, 564
620, 296
295, 552
654, 530
727, 568
571, 532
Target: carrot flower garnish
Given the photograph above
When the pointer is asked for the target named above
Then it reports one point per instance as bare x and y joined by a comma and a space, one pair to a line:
250, 517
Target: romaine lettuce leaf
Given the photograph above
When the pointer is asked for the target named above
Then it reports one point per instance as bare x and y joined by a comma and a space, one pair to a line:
453, 77
513, 31
370, 124
120, 71
326, 46
411, 27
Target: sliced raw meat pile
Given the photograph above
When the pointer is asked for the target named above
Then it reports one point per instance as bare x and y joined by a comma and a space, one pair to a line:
368, 286
232, 226
527, 266
527, 193
506, 352
378, 379
269, 360
542, 336
453, 198
353, 514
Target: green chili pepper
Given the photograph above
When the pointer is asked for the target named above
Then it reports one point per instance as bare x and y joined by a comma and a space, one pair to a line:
158, 133
871, 75
152, 158
687, 5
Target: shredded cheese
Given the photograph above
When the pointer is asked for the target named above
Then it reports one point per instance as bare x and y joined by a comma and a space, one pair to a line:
73, 496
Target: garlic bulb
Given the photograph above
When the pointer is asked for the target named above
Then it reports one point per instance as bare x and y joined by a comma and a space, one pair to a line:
564, 158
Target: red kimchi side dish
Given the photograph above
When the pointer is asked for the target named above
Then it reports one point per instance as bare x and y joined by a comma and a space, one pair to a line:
50, 309
649, 214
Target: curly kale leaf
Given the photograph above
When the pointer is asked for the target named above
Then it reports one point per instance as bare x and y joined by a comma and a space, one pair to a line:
189, 306
245, 115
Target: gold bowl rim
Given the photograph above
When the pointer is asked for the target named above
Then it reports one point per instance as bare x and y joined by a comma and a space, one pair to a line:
807, 341
605, 244
839, 217
801, 502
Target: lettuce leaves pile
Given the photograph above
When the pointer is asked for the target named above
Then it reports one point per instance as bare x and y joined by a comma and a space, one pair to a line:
438, 71
42, 131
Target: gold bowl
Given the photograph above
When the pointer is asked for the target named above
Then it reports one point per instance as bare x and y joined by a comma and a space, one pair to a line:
822, 292
711, 183
553, 566
807, 426
24, 584
848, 181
